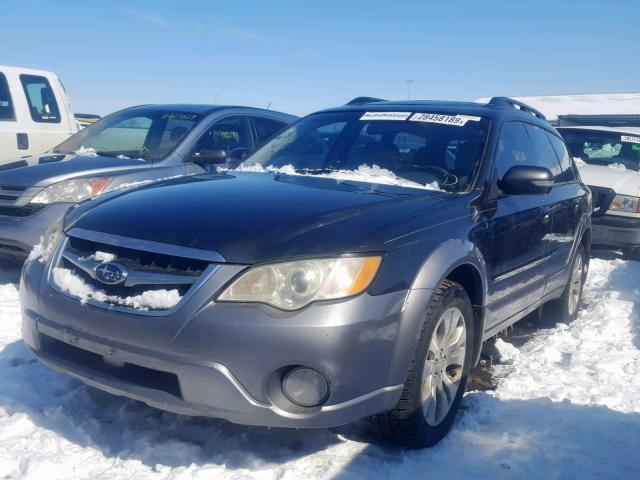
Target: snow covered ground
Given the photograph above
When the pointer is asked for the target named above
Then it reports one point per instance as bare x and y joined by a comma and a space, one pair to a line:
566, 405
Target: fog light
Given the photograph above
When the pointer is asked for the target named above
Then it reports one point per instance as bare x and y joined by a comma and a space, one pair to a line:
305, 387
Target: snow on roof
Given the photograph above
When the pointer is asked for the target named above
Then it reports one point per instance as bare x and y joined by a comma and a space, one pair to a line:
593, 104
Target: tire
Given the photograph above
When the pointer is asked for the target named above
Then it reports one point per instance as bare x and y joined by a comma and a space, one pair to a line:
565, 309
420, 419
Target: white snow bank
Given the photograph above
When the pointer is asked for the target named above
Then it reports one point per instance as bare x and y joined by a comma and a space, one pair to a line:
364, 173
75, 286
86, 152
506, 351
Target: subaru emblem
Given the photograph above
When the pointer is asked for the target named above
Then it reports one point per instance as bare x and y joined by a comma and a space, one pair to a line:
111, 273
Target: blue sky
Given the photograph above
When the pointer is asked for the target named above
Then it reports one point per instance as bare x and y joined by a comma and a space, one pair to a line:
301, 56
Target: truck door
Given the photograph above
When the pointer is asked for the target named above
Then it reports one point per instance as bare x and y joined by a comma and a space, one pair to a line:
9, 138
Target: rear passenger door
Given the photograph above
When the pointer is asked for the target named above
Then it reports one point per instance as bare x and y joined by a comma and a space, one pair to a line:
521, 226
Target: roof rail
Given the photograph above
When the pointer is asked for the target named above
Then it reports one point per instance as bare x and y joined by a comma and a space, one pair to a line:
364, 100
510, 102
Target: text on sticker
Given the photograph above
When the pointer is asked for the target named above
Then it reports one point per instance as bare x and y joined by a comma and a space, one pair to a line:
630, 139
456, 120
385, 116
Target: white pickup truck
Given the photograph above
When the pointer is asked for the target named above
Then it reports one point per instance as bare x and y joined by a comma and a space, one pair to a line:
608, 159
35, 112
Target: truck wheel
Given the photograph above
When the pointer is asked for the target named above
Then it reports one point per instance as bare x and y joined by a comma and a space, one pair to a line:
565, 309
435, 384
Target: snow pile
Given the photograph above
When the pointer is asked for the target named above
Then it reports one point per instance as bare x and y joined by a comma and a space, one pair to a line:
102, 257
568, 408
45, 247
151, 180
507, 352
86, 152
364, 173
75, 286
578, 161
617, 166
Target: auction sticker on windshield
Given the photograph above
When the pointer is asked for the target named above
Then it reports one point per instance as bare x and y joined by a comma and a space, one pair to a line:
456, 120
385, 116
630, 139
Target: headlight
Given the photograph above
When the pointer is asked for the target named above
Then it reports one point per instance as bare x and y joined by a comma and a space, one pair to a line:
293, 285
624, 203
48, 242
74, 190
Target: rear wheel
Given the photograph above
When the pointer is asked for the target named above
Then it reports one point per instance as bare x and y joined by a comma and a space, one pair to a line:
434, 387
566, 308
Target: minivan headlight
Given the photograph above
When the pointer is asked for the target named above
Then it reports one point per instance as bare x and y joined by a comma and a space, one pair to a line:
74, 190
625, 203
293, 285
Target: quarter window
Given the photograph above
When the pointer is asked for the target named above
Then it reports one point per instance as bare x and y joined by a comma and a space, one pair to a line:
6, 103
41, 99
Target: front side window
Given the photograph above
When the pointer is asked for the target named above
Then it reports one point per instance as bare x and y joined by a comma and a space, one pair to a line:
267, 128
421, 148
514, 149
566, 164
228, 134
545, 154
41, 99
6, 103
150, 134
599, 147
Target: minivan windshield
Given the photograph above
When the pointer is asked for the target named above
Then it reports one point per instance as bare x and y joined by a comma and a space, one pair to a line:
419, 150
601, 147
149, 134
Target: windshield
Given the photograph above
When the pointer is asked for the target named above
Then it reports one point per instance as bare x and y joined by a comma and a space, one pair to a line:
150, 134
418, 149
598, 147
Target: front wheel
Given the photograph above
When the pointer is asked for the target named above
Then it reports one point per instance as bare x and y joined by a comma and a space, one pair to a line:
434, 387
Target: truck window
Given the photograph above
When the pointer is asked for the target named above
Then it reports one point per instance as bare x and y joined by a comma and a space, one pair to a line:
41, 99
6, 104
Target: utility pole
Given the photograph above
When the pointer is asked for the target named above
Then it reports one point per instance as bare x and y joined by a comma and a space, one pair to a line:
409, 82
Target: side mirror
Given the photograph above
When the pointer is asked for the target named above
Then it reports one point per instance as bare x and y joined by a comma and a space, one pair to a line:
209, 157
523, 179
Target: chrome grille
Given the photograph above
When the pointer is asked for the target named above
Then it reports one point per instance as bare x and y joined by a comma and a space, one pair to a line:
146, 271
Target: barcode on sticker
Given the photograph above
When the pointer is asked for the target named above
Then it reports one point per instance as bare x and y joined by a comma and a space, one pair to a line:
630, 139
385, 116
456, 120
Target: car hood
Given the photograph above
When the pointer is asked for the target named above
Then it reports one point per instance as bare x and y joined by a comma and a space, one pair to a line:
624, 182
43, 170
254, 217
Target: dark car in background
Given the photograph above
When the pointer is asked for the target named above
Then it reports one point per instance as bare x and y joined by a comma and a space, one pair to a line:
128, 148
352, 267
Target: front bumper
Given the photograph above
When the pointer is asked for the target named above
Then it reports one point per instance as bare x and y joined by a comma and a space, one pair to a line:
227, 360
18, 235
616, 231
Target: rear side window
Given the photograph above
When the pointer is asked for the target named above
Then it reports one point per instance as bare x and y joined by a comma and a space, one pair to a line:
6, 103
545, 153
42, 102
566, 164
514, 148
267, 128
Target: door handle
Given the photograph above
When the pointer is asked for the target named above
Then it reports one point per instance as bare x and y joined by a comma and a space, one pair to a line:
23, 141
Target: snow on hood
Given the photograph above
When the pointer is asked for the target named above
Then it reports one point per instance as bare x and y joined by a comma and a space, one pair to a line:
86, 152
623, 181
364, 173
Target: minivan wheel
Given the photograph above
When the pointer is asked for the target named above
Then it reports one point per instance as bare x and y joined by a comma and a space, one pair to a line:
438, 374
565, 309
